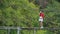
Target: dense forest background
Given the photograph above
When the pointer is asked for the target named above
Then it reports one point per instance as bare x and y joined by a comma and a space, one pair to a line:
25, 13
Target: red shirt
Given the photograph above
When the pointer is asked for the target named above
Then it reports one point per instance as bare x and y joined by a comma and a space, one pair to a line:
41, 15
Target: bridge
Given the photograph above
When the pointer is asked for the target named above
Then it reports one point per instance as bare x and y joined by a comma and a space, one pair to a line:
26, 28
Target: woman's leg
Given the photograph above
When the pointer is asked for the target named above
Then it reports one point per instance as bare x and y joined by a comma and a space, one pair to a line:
41, 24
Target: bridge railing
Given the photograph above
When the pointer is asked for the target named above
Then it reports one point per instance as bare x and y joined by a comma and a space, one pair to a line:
25, 28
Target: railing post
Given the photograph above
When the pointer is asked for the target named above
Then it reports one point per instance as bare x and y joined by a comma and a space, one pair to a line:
18, 30
34, 31
8, 31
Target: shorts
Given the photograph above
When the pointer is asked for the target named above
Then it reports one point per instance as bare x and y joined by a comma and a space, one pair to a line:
41, 19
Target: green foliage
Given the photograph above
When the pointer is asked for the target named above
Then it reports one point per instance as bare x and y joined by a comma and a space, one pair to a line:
44, 32
52, 15
24, 14
3, 32
18, 13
